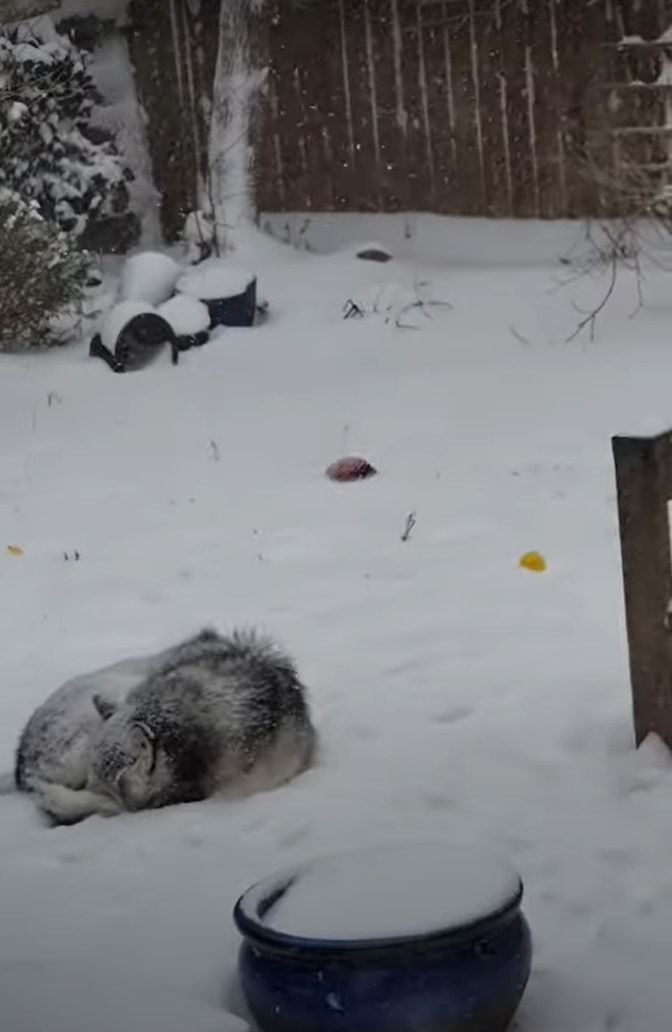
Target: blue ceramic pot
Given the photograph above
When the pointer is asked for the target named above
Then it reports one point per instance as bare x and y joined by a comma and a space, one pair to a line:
239, 310
468, 979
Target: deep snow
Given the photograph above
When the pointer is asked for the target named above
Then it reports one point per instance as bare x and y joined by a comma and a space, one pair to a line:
457, 694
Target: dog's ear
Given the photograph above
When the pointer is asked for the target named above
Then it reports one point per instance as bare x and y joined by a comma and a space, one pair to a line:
144, 744
141, 736
105, 707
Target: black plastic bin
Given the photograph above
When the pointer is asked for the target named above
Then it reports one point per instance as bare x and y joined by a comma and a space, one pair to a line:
238, 310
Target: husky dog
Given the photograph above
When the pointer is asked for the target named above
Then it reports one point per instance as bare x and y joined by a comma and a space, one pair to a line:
213, 715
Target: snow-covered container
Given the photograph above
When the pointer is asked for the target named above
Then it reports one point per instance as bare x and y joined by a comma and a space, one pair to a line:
421, 936
119, 317
186, 315
131, 336
149, 276
229, 292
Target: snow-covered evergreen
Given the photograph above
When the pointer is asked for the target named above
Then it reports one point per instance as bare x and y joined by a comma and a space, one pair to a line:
49, 150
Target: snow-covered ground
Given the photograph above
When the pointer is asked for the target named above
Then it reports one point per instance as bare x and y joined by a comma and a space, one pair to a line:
458, 696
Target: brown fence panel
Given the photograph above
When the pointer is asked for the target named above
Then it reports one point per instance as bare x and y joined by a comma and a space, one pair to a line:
471, 107
465, 107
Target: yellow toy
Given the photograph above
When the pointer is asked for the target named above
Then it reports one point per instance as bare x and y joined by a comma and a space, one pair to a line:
533, 561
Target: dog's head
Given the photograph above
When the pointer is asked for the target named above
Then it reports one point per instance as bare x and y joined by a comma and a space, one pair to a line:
123, 757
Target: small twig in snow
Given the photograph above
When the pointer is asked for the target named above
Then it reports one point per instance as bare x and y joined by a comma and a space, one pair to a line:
410, 523
421, 304
640, 291
351, 310
213, 451
591, 316
402, 325
519, 337
303, 239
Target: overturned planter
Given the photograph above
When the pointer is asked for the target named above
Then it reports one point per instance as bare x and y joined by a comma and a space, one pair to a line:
131, 337
133, 334
229, 292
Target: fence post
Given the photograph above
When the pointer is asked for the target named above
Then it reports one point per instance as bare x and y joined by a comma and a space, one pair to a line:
644, 486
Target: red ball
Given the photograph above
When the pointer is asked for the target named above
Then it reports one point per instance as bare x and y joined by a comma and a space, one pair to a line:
350, 468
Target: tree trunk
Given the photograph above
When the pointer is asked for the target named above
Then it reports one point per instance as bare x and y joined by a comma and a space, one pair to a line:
230, 151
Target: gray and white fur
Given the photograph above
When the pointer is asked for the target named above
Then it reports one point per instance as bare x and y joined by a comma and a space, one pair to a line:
213, 715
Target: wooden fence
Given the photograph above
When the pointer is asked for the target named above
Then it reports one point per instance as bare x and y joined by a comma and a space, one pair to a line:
469, 107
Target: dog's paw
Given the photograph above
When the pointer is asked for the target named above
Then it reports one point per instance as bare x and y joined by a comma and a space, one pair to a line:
64, 805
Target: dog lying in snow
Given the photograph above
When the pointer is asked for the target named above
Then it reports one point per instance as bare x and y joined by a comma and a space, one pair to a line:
212, 715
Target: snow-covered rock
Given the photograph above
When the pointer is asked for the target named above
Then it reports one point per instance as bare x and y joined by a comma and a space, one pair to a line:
369, 250
149, 276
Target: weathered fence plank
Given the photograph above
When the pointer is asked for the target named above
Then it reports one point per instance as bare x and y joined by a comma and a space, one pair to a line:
644, 485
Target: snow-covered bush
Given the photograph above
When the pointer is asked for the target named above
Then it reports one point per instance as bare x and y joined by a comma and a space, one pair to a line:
42, 276
49, 150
